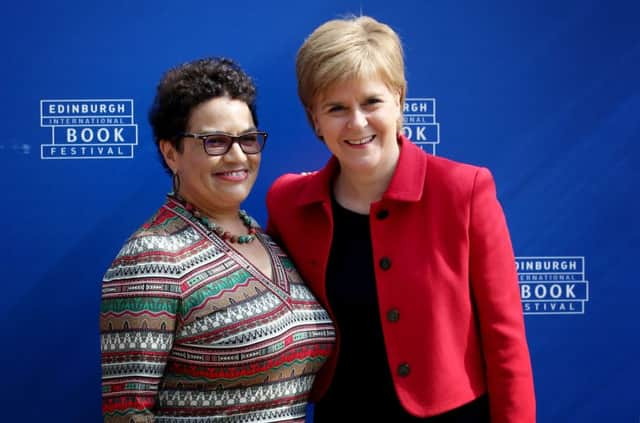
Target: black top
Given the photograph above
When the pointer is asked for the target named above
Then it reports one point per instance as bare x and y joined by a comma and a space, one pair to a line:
362, 388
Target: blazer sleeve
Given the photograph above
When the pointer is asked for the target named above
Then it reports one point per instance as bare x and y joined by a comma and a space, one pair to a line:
137, 324
494, 284
273, 210
272, 228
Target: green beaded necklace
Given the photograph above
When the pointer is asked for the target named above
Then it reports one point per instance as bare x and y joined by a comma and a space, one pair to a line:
217, 229
226, 235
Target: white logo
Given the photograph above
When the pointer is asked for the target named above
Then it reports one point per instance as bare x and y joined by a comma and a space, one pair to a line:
88, 129
419, 123
552, 285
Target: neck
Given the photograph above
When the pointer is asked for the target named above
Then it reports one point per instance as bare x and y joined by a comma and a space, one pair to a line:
229, 224
356, 191
219, 214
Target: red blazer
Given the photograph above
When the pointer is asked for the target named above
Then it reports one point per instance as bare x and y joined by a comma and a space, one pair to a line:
446, 279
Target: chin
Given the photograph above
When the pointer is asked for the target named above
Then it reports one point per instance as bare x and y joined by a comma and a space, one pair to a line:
363, 166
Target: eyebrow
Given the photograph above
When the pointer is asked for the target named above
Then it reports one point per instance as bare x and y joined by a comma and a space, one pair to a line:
340, 103
331, 103
217, 132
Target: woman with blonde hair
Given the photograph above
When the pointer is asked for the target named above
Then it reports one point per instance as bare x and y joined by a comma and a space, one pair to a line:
409, 252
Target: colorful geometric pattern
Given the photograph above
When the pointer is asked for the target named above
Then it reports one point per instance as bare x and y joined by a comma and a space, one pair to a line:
192, 332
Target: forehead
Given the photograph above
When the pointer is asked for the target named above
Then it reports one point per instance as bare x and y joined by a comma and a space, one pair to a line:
354, 88
221, 114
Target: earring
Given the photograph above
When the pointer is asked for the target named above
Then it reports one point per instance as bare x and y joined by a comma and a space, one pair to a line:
176, 183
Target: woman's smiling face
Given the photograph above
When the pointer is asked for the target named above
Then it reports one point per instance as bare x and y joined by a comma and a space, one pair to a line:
215, 183
358, 120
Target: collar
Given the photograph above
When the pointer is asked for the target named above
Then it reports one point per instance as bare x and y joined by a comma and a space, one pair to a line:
407, 182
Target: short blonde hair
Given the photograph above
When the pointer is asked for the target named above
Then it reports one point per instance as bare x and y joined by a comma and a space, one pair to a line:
349, 48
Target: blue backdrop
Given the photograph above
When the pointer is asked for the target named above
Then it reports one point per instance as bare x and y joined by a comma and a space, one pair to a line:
544, 93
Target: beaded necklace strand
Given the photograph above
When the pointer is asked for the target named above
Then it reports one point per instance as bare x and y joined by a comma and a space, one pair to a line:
217, 229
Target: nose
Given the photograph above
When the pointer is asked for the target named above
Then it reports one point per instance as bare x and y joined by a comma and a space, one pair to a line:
235, 152
358, 119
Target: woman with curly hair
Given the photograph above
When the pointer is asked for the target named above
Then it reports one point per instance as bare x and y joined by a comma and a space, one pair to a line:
203, 317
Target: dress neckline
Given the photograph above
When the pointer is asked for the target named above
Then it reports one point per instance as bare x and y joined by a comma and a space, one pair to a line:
278, 283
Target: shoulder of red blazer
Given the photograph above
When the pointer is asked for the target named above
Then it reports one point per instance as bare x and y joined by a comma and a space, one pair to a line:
449, 178
284, 187
302, 188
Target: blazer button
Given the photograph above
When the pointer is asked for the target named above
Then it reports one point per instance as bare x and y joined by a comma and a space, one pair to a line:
382, 214
385, 263
393, 315
404, 370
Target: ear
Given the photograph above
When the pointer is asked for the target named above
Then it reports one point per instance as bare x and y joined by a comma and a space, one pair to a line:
314, 121
398, 96
170, 154
400, 105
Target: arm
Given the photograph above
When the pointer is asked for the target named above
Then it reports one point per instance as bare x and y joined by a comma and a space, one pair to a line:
494, 283
272, 229
137, 323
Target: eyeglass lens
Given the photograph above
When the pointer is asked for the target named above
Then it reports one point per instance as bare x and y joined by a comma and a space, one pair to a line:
218, 144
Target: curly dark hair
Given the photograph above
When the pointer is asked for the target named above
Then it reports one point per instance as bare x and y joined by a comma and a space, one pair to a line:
184, 87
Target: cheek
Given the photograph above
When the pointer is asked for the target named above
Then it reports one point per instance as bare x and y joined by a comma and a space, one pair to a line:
202, 165
255, 160
387, 118
330, 125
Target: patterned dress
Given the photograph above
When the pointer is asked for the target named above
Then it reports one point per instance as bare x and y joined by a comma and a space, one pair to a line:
192, 332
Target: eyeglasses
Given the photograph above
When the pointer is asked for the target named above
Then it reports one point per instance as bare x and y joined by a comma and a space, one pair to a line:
219, 143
